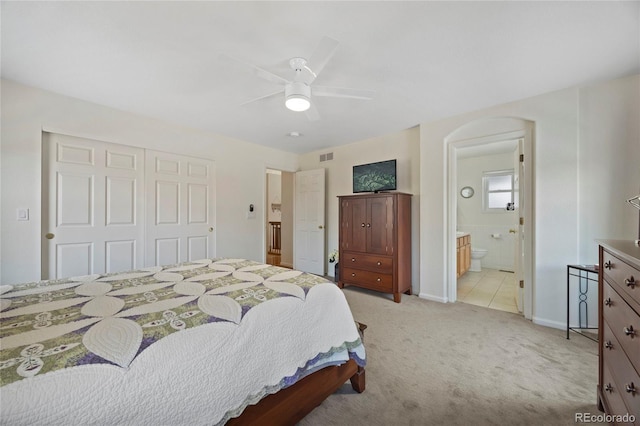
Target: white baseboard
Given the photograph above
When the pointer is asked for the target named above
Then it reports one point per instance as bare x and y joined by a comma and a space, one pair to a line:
549, 323
433, 298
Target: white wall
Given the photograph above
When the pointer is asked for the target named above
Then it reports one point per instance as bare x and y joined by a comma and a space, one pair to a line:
403, 146
565, 125
608, 163
26, 111
483, 225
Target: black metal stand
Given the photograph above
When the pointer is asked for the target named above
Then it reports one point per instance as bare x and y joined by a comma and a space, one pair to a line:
584, 273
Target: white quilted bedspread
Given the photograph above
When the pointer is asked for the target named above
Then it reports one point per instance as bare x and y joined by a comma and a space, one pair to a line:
194, 376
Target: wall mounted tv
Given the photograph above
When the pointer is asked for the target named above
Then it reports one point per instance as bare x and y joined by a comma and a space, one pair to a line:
375, 177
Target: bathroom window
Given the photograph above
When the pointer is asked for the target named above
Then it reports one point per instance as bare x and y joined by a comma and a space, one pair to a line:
498, 191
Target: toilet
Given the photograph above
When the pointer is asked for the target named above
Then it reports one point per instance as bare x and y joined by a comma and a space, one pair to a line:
476, 258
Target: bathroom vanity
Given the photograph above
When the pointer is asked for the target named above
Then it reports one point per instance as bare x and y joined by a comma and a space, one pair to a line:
463, 253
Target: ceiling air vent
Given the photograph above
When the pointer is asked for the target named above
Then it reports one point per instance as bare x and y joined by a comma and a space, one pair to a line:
326, 157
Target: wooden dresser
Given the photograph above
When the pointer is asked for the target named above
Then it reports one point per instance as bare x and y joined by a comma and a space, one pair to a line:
619, 330
375, 242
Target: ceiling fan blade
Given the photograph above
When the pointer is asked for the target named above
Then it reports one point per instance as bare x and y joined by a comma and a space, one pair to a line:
340, 92
279, 92
260, 72
321, 56
312, 113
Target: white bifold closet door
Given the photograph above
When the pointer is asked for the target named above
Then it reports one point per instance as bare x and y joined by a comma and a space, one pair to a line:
111, 208
92, 207
180, 208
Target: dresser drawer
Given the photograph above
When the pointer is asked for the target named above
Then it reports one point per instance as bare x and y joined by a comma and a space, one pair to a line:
613, 394
623, 320
623, 275
623, 373
370, 262
368, 279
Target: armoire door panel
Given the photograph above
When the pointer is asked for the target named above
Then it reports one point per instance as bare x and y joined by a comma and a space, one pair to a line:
359, 225
378, 220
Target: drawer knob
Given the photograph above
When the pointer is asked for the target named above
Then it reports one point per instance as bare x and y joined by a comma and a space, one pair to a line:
608, 301
630, 282
378, 279
379, 263
608, 345
353, 259
631, 388
368, 225
629, 331
353, 274
608, 388
607, 264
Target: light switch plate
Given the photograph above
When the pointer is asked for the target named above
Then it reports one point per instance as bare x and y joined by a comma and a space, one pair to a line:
22, 214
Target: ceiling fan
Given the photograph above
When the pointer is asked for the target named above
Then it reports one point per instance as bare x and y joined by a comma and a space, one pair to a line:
299, 89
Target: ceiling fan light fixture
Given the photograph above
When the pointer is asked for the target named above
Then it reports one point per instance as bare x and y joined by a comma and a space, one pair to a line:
297, 96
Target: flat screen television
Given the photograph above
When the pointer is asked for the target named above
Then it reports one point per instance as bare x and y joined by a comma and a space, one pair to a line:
375, 177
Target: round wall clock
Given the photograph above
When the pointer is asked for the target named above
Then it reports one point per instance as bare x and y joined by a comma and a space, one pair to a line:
466, 192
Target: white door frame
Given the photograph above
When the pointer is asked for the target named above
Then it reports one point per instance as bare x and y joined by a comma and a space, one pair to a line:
526, 213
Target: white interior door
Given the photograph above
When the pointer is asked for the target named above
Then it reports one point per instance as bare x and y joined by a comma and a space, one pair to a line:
519, 183
180, 208
309, 221
92, 206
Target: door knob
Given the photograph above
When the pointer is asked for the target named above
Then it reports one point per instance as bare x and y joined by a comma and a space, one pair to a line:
512, 231
49, 236
211, 229
319, 226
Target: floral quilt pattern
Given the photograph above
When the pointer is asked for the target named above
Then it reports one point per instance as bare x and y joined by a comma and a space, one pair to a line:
112, 318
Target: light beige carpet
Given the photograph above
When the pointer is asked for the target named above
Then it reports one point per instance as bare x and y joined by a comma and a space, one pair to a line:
430, 363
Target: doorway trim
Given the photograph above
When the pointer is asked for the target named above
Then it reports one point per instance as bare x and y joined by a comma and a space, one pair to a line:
526, 133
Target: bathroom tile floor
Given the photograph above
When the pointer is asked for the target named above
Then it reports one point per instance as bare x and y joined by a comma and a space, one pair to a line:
490, 288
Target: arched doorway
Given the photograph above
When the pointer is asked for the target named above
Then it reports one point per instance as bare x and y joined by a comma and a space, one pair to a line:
476, 134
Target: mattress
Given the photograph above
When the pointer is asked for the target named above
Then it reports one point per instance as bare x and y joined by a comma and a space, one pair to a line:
192, 343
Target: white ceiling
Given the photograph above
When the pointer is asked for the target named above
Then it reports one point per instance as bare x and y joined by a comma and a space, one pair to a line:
425, 60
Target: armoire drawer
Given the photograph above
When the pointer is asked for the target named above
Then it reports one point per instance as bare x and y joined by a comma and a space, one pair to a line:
623, 275
623, 376
368, 279
367, 261
624, 321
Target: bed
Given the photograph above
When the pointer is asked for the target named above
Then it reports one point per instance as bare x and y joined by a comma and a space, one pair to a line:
211, 342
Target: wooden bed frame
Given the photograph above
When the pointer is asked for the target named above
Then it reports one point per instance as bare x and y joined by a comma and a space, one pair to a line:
290, 405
